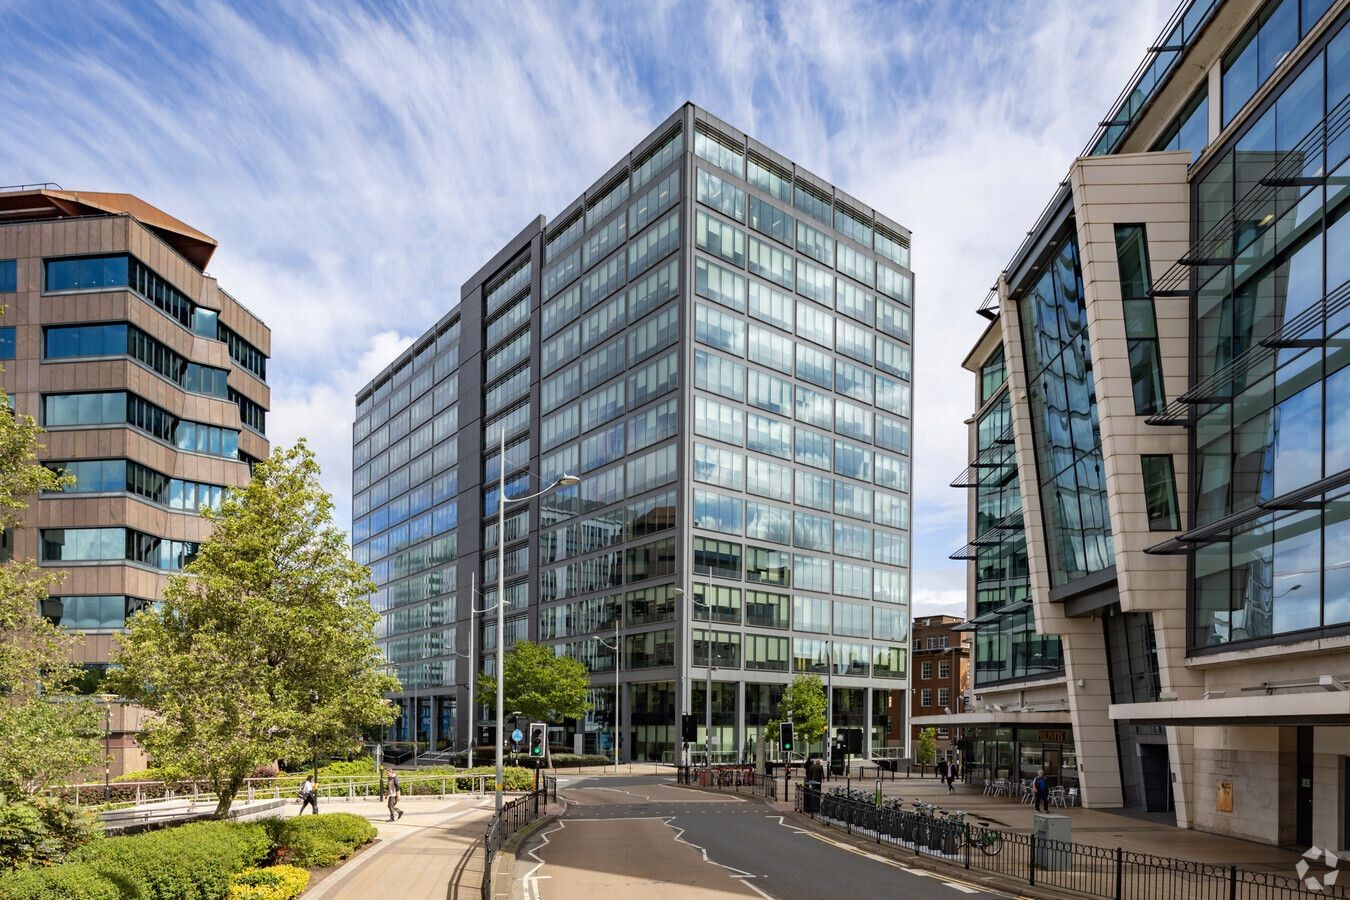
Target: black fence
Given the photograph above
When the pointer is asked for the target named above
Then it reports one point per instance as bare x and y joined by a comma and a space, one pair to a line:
1107, 873
511, 818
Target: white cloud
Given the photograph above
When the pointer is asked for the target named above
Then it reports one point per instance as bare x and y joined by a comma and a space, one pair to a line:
358, 164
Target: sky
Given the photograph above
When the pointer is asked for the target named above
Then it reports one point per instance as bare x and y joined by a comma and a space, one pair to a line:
358, 161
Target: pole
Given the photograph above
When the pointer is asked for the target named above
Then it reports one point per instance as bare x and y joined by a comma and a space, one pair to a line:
473, 667
708, 699
501, 611
107, 751
829, 707
618, 663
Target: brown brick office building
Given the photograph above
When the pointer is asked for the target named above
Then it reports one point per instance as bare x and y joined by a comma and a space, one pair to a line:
939, 673
151, 383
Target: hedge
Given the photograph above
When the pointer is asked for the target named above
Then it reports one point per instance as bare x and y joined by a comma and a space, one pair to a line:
318, 841
198, 860
272, 883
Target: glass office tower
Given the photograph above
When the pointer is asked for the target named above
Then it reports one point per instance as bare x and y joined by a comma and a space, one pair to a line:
718, 344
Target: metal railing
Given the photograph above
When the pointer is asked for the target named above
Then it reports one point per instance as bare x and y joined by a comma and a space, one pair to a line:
134, 793
510, 819
1099, 872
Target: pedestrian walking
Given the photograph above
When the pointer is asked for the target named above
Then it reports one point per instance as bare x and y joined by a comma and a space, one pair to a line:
1042, 788
309, 796
394, 794
950, 775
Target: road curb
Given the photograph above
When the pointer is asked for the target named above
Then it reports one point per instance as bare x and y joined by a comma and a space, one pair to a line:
952, 871
504, 864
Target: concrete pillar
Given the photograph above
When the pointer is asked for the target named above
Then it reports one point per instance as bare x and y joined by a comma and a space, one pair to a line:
867, 723
740, 721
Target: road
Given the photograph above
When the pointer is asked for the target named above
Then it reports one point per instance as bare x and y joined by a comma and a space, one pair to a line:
621, 835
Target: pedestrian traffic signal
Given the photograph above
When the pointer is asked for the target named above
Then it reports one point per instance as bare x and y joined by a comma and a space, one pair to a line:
785, 736
538, 734
688, 728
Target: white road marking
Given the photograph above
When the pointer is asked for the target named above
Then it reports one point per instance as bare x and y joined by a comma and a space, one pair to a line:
739, 874
963, 888
529, 879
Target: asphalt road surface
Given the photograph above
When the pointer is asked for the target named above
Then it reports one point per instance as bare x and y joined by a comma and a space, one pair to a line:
646, 838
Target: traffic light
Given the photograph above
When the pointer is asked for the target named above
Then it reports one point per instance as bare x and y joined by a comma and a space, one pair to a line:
785, 736
688, 728
853, 742
538, 734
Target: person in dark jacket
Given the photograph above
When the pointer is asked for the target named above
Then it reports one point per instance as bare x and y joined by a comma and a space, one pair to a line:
1041, 786
949, 775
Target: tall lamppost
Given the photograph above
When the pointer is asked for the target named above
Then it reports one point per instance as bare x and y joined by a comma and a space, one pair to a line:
564, 480
618, 658
707, 690
473, 669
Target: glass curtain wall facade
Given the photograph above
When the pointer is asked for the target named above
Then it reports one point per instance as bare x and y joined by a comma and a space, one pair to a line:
1271, 433
719, 348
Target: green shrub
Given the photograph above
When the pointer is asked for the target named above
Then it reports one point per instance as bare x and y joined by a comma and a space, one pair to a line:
576, 760
193, 860
68, 881
319, 841
163, 773
272, 883
41, 831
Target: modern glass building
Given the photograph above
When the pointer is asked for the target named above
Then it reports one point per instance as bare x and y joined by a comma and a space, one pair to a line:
718, 344
1173, 337
150, 381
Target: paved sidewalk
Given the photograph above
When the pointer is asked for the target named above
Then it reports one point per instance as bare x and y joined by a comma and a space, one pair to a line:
1096, 827
434, 851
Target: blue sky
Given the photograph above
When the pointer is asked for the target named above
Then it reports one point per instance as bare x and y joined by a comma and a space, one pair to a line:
357, 161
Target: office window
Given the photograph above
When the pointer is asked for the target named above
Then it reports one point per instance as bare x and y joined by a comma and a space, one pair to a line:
719, 238
720, 330
658, 159
771, 221
768, 479
811, 614
719, 376
646, 208
714, 465
770, 392
811, 532
815, 283
769, 262
770, 349
926, 697
926, 670
719, 512
813, 204
720, 152
815, 491
1141, 326
944, 669
765, 609
767, 435
772, 306
1160, 492
815, 243
719, 421
814, 325
722, 196
770, 180
721, 559
811, 573
944, 697
768, 523
9, 276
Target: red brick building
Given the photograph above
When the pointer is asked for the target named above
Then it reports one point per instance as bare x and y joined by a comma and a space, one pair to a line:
939, 676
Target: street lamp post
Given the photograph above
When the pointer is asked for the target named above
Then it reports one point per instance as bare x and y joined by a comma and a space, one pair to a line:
829, 708
618, 659
473, 668
564, 480
707, 690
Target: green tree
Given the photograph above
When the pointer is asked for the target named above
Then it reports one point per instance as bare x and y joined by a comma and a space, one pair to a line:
263, 648
803, 705
48, 733
926, 752
541, 686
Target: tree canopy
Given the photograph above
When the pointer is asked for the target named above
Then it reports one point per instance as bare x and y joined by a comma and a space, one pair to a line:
803, 705
263, 648
48, 733
539, 685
